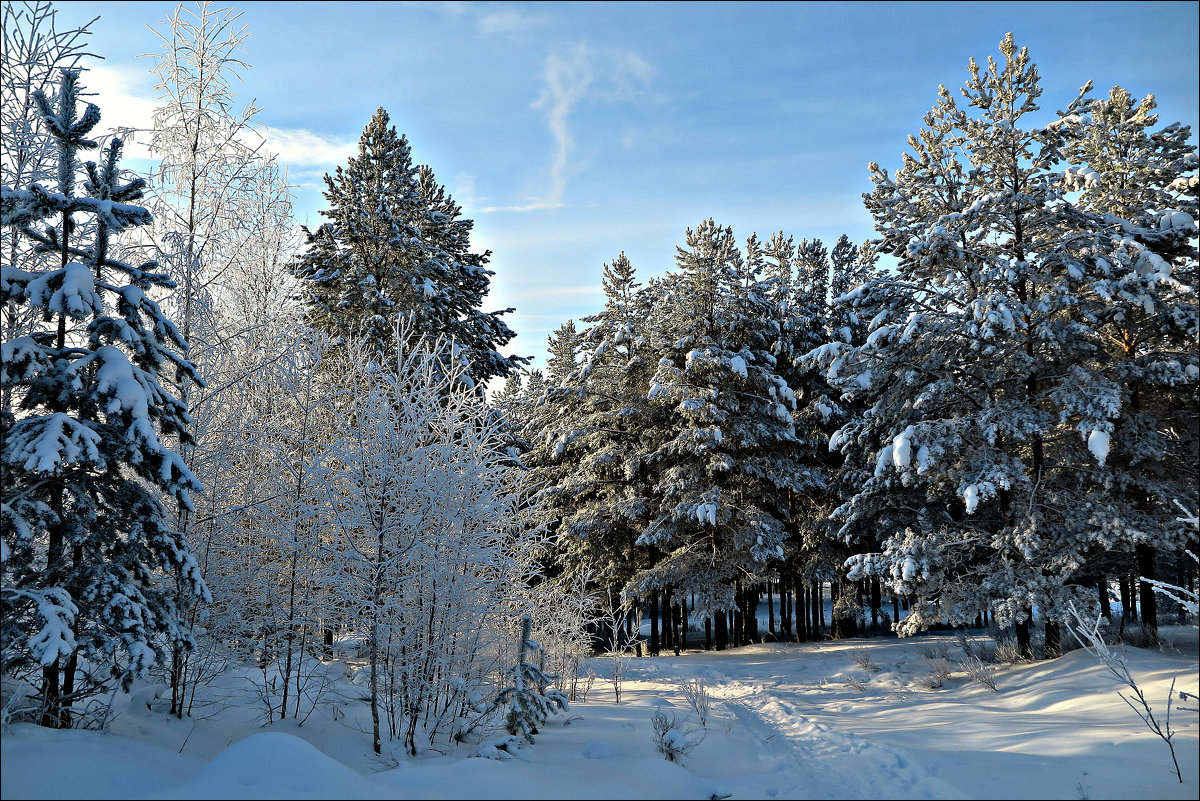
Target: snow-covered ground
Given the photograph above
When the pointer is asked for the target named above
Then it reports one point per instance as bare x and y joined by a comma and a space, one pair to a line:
787, 721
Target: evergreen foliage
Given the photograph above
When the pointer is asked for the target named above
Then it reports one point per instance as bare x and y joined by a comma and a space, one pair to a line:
397, 246
89, 558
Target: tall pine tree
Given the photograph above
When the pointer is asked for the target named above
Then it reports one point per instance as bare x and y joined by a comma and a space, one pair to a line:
397, 246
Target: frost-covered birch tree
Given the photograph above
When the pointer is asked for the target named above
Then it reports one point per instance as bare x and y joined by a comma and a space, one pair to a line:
433, 555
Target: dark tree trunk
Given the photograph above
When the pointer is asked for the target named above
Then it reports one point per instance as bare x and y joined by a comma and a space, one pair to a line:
722, 633
654, 644
667, 628
895, 609
1053, 647
802, 612
785, 606
1102, 592
817, 600
1146, 567
751, 615
739, 623
876, 603
771, 613
1024, 641
708, 640
327, 642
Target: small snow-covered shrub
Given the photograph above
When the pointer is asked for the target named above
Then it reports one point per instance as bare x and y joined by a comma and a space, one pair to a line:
528, 699
863, 660
1091, 640
936, 650
857, 684
1007, 650
695, 692
673, 738
617, 675
976, 649
936, 679
979, 671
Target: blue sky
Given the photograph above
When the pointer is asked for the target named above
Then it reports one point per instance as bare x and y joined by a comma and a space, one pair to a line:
573, 131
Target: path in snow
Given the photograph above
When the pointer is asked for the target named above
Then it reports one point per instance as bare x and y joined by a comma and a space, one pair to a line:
809, 759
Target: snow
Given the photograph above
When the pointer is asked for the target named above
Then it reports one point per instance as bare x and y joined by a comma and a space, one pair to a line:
1098, 444
971, 497
902, 448
787, 721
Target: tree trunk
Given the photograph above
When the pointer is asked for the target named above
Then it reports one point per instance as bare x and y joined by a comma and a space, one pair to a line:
1145, 563
1053, 646
771, 613
801, 611
1128, 605
739, 624
1024, 641
683, 624
1102, 592
785, 607
876, 603
654, 643
722, 630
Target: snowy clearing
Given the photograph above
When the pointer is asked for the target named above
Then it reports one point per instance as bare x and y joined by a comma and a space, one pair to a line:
787, 721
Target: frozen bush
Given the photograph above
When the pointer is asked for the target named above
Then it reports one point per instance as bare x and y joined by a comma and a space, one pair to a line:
863, 660
983, 673
695, 692
673, 738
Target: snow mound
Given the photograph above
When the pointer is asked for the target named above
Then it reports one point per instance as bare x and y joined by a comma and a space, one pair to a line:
274, 765
600, 750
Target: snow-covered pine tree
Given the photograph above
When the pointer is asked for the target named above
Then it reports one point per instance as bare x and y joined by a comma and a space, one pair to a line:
396, 246
725, 457
527, 698
86, 540
592, 431
35, 50
1139, 299
977, 367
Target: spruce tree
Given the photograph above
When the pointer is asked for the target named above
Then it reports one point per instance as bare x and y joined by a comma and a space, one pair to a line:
90, 561
397, 246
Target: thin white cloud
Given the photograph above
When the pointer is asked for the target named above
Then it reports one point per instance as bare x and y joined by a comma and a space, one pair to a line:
447, 8
567, 77
127, 100
570, 76
539, 293
299, 147
511, 24
630, 65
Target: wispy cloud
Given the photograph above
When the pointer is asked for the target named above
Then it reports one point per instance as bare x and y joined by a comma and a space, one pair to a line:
447, 8
539, 293
570, 76
567, 77
299, 147
126, 99
511, 24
